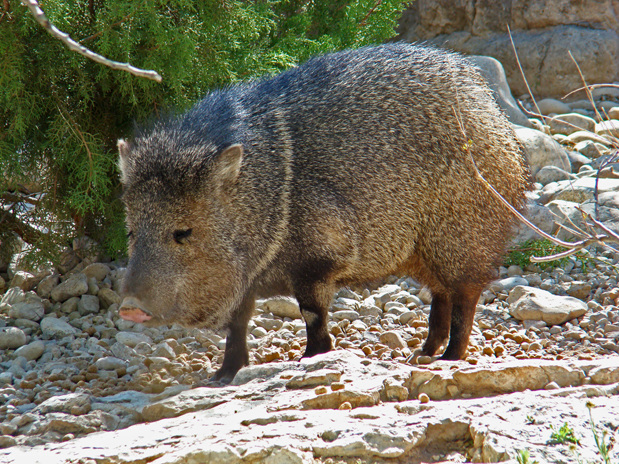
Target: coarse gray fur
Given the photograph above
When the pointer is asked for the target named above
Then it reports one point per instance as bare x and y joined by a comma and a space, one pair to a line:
348, 168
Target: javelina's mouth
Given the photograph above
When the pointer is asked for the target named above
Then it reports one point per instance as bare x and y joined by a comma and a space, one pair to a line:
131, 310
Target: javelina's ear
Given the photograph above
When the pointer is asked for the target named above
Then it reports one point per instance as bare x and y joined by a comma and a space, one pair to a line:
227, 165
123, 160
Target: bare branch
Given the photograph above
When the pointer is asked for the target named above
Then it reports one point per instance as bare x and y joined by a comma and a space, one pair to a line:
511, 39
40, 17
587, 88
594, 86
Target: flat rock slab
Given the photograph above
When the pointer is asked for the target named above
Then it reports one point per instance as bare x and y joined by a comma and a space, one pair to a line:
530, 303
340, 405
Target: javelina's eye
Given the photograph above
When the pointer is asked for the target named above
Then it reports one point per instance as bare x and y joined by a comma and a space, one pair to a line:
180, 236
130, 234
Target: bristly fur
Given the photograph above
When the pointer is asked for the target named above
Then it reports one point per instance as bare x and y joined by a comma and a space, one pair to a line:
353, 166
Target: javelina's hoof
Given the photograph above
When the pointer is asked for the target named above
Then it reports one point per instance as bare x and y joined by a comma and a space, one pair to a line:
450, 355
222, 377
212, 383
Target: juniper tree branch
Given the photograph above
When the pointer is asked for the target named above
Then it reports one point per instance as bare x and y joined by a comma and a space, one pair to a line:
40, 17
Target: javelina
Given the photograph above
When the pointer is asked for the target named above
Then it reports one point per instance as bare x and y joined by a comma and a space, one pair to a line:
348, 168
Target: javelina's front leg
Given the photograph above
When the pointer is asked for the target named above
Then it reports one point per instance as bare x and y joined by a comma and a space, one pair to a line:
236, 354
314, 304
462, 317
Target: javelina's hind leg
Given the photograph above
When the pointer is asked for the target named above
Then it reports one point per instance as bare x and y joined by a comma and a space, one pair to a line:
462, 316
314, 303
236, 354
439, 323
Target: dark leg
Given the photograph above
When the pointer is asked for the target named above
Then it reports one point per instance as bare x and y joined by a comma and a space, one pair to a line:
314, 303
236, 355
462, 316
440, 319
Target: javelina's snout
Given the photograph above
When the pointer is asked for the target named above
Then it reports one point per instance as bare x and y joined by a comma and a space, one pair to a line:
132, 309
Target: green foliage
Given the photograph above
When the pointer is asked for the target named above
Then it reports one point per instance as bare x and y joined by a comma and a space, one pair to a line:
523, 457
521, 255
565, 434
61, 114
604, 447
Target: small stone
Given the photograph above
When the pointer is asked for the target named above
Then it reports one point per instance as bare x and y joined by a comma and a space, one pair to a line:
11, 338
97, 270
88, 304
23, 280
283, 306
110, 363
423, 398
32, 311
45, 287
345, 406
514, 270
6, 378
590, 149
53, 327
611, 328
320, 390
368, 309
528, 324
164, 350
609, 127
424, 360
425, 295
579, 289
345, 315
32, 351
550, 105
393, 340
552, 386
335, 386
571, 122
537, 304
108, 297
73, 403
407, 316
6, 441
70, 305
132, 339
74, 286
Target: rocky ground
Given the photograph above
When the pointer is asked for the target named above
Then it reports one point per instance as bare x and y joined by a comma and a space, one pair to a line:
545, 344
71, 367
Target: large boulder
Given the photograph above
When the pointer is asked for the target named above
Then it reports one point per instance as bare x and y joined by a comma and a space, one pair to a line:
541, 31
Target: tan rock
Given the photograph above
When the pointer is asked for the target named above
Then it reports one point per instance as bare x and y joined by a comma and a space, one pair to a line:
334, 400
530, 303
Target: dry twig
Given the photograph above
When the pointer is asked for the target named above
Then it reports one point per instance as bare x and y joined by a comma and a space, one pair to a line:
40, 17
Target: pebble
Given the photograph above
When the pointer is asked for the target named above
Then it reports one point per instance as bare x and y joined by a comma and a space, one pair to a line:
550, 105
132, 339
283, 306
53, 327
110, 363
392, 339
11, 338
74, 286
32, 351
24, 310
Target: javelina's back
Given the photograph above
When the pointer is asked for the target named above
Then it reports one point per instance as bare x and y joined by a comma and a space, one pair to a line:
353, 166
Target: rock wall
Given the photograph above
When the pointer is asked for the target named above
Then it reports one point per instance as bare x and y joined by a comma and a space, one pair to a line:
543, 32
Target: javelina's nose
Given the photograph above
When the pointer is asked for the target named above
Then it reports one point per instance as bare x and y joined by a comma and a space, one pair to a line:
132, 309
